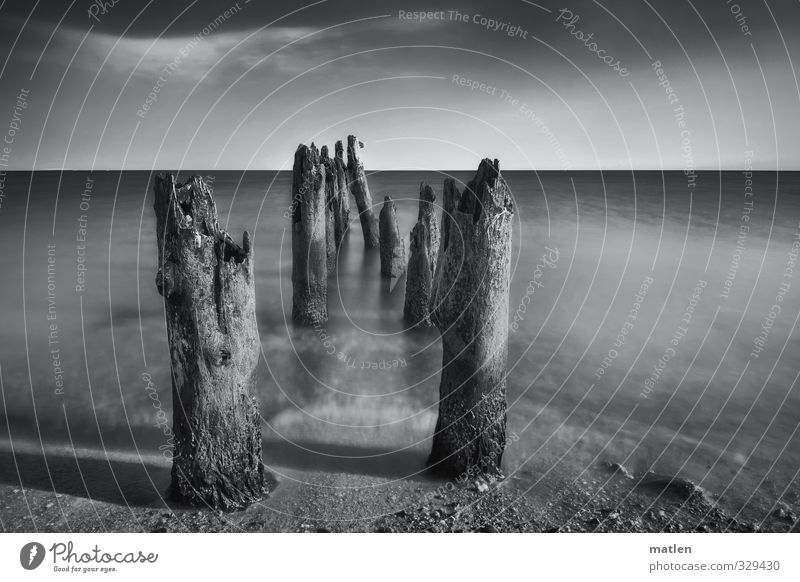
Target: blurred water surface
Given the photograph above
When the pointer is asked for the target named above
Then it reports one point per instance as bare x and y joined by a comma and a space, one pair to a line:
361, 392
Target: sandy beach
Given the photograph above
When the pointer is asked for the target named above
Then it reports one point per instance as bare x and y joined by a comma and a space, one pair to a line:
606, 498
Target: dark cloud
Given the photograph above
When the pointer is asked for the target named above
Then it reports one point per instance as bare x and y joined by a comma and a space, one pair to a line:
358, 65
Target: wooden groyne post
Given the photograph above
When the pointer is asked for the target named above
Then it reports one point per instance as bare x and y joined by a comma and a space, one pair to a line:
342, 216
309, 238
357, 180
331, 208
393, 252
471, 311
206, 280
423, 255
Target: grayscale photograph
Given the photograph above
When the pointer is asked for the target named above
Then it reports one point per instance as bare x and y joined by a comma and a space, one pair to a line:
399, 267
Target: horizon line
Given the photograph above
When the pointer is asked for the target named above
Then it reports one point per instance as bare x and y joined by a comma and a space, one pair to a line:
374, 170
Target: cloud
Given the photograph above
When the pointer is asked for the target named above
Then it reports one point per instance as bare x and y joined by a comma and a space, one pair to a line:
218, 56
196, 55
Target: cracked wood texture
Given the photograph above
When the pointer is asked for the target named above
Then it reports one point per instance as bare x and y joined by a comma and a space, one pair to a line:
309, 238
471, 311
206, 280
358, 186
392, 250
342, 206
424, 251
451, 197
331, 208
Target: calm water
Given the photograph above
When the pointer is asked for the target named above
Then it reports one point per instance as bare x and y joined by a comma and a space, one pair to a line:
714, 413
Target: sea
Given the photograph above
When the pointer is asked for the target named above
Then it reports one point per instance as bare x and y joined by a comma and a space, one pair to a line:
652, 323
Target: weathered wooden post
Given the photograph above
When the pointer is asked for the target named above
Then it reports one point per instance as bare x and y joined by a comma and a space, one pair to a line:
342, 223
331, 207
360, 189
422, 260
207, 283
471, 311
309, 241
450, 200
393, 253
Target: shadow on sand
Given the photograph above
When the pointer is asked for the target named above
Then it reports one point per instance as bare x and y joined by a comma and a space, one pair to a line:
113, 481
145, 484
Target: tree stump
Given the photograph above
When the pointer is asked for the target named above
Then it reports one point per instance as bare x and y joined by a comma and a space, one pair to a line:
360, 189
422, 260
471, 311
393, 253
207, 283
309, 240
342, 216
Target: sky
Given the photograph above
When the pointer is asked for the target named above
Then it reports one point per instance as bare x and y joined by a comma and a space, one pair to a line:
569, 85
